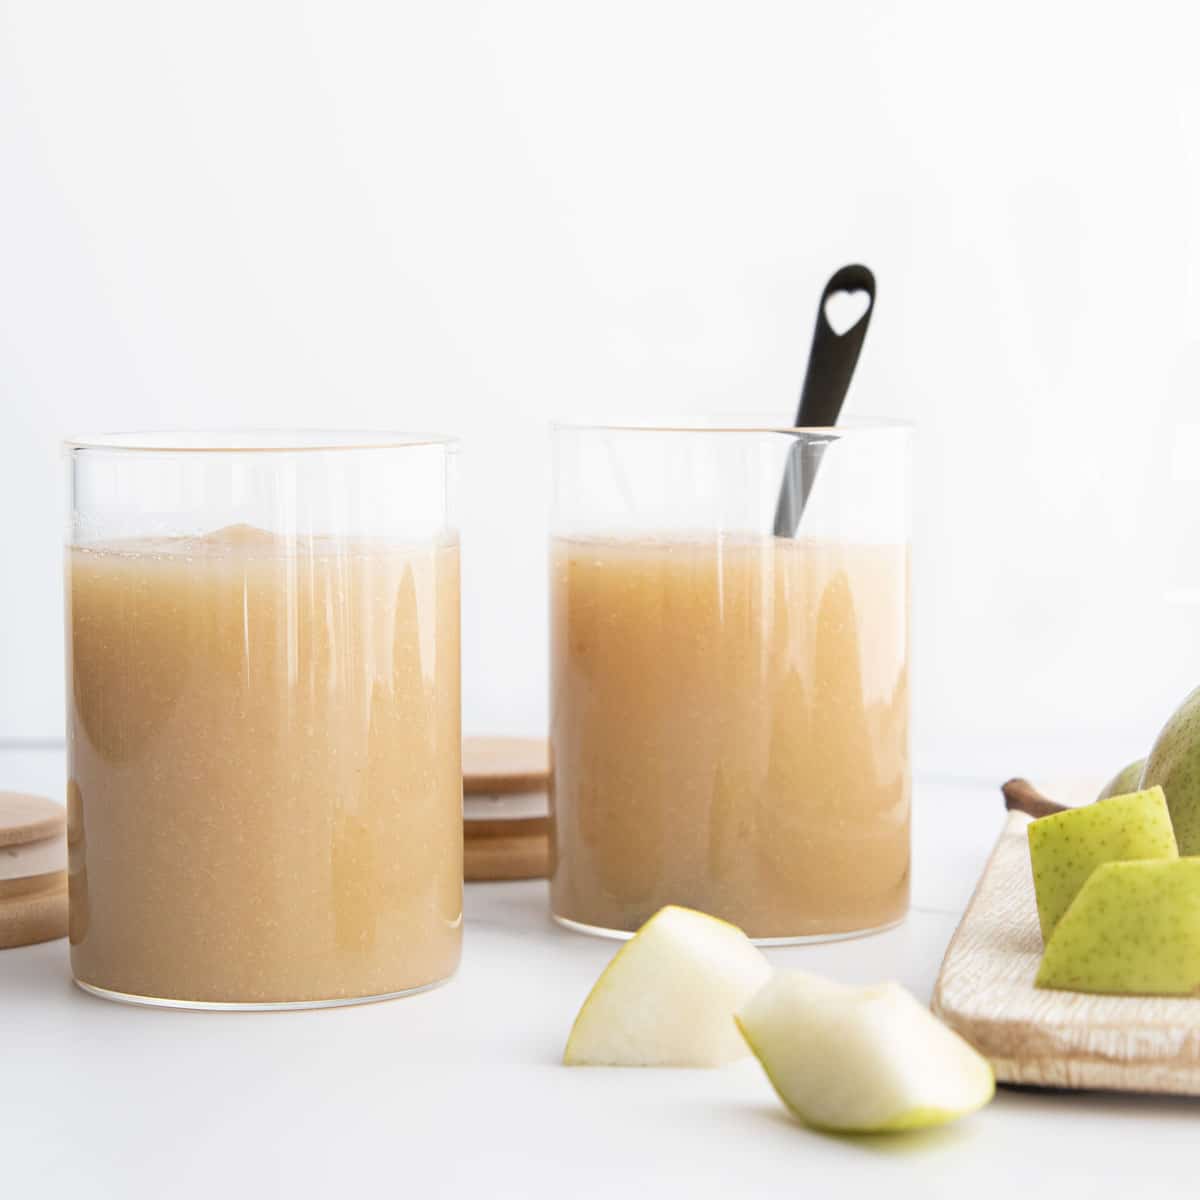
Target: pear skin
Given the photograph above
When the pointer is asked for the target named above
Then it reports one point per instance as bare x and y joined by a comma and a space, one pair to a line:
1126, 780
1174, 765
1134, 929
1065, 848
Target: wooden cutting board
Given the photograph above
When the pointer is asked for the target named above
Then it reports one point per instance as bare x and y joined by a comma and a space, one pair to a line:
1047, 1038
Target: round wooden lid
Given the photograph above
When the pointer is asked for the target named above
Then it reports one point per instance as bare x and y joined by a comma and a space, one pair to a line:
33, 869
23, 865
38, 916
503, 766
506, 826
25, 818
519, 855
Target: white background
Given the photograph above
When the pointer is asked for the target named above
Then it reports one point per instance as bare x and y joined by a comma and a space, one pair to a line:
475, 217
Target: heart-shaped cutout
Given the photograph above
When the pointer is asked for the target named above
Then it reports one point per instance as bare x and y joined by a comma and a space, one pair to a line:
844, 310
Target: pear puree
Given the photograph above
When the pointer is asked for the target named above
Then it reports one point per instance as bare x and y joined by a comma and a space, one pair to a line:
265, 781
730, 732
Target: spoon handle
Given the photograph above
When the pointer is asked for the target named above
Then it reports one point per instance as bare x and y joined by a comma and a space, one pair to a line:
831, 366
834, 355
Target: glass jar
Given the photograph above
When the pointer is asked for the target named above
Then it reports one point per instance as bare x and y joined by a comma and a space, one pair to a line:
263, 717
730, 677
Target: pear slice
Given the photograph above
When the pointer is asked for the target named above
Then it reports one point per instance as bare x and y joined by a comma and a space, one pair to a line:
1134, 929
1064, 849
862, 1060
668, 997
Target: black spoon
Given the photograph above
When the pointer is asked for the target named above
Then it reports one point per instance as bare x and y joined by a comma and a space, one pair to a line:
831, 365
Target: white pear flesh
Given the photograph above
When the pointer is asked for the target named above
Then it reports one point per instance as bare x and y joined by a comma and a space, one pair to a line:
862, 1060
668, 997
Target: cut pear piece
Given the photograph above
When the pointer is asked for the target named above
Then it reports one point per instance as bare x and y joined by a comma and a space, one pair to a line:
862, 1060
1067, 847
1134, 929
668, 997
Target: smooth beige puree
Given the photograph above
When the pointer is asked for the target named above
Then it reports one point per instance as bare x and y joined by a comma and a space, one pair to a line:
730, 732
265, 791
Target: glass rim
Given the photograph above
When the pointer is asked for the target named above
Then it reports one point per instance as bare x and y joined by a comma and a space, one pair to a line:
853, 425
253, 441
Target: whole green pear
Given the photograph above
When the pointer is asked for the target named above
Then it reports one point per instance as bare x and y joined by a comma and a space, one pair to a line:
1174, 764
1126, 780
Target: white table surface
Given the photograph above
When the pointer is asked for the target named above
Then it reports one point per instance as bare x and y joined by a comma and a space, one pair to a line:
459, 1092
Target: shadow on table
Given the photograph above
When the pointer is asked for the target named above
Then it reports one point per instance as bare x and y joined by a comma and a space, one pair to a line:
1099, 1104
888, 1145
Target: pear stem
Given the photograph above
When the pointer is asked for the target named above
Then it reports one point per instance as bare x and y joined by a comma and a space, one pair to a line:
1021, 796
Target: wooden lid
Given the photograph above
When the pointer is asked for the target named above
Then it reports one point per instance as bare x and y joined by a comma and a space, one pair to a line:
519, 855
33, 869
506, 826
502, 766
22, 865
25, 818
39, 916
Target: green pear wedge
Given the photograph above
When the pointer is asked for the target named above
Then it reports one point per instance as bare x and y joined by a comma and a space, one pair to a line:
1065, 848
1174, 765
861, 1059
1134, 929
1127, 779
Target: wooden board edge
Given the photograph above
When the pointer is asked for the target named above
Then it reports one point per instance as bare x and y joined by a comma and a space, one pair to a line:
1098, 1075
1015, 821
1079, 1071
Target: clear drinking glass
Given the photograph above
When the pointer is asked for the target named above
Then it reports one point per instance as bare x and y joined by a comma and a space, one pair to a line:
730, 704
265, 802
